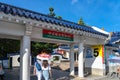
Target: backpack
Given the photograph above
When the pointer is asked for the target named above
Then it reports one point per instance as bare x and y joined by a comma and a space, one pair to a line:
38, 66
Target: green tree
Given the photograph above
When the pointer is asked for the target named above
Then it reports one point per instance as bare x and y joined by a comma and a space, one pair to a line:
37, 47
81, 22
13, 46
59, 17
9, 46
51, 12
103, 28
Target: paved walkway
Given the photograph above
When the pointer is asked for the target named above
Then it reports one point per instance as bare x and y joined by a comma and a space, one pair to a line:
13, 74
59, 73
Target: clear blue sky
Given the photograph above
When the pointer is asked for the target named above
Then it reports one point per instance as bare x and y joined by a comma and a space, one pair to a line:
99, 13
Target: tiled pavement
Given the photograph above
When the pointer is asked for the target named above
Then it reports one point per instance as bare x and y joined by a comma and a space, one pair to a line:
13, 74
108, 77
58, 74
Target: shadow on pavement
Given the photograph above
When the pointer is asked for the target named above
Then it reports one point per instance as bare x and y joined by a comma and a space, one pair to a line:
14, 74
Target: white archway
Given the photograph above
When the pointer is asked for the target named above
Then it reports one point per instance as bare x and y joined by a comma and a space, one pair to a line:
27, 26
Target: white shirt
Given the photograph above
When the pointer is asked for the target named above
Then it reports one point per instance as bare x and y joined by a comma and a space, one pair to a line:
47, 68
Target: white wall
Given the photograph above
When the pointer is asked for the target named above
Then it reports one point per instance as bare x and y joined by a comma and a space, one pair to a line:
94, 63
11, 28
15, 62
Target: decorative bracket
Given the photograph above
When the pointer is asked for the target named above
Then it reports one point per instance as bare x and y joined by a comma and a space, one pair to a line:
28, 29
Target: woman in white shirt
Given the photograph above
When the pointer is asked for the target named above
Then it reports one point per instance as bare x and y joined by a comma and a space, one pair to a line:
46, 70
38, 72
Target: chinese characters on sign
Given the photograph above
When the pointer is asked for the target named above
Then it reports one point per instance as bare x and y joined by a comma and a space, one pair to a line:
57, 35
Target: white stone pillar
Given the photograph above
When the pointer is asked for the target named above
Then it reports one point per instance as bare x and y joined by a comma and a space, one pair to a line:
72, 71
80, 60
25, 55
21, 51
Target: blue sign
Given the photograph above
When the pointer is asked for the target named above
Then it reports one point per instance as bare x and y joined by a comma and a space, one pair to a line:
89, 53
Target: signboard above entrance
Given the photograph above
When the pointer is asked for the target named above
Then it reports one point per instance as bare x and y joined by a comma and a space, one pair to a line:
57, 35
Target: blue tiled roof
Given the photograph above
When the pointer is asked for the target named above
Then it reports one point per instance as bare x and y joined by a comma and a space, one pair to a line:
76, 46
116, 34
8, 9
67, 47
112, 45
117, 51
115, 37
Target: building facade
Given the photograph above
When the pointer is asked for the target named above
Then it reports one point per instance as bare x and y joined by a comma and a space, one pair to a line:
27, 26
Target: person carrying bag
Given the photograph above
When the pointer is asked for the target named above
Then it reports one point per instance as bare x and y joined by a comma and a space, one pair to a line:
38, 69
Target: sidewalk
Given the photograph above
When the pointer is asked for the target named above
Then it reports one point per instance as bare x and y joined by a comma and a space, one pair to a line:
13, 74
60, 72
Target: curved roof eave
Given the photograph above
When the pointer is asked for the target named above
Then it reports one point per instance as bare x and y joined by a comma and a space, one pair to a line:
15, 11
115, 38
112, 45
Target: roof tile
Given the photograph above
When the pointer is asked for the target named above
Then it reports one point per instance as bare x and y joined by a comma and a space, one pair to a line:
8, 9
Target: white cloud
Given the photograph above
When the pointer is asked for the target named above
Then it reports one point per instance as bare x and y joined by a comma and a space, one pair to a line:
74, 1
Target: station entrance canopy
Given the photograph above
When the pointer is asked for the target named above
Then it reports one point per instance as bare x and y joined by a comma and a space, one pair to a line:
27, 26
18, 15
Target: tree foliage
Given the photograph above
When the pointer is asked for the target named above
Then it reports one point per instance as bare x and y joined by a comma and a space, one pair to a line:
8, 46
13, 46
37, 47
103, 28
51, 10
52, 13
59, 17
81, 22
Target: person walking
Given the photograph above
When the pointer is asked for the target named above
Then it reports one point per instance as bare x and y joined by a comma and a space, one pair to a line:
38, 69
46, 70
1, 72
